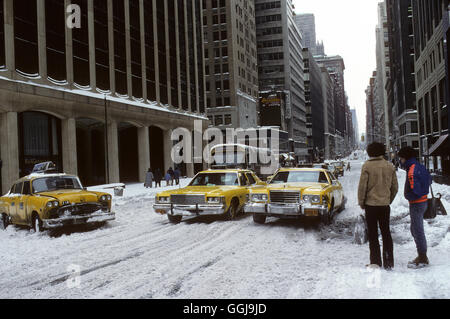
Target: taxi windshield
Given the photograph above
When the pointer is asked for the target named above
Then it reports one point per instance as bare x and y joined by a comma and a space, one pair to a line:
299, 177
215, 179
49, 184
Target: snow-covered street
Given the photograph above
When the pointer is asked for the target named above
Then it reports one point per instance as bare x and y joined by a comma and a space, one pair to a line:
142, 255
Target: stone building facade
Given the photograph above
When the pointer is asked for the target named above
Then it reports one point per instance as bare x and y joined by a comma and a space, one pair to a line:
101, 100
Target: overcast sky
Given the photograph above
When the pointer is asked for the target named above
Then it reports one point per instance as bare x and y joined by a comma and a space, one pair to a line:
347, 28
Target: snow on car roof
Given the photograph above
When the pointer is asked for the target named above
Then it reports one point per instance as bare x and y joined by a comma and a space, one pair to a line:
38, 175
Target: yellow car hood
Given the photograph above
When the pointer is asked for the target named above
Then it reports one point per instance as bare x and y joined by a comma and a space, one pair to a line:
72, 196
200, 190
310, 187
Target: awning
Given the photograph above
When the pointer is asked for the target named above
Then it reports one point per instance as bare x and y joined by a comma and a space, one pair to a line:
439, 147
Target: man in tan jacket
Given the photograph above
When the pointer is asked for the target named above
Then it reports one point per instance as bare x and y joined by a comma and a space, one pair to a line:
377, 189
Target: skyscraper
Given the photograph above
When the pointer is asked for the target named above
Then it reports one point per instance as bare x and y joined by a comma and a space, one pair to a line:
306, 23
231, 63
281, 65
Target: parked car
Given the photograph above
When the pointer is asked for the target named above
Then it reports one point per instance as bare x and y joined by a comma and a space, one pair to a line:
294, 193
334, 170
212, 192
47, 201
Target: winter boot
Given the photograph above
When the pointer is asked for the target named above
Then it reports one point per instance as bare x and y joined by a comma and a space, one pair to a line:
420, 262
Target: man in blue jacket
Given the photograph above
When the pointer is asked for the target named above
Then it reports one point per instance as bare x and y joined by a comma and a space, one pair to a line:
417, 186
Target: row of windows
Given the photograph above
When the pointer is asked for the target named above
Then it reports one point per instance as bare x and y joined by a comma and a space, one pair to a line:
429, 66
27, 55
268, 5
268, 18
433, 111
220, 120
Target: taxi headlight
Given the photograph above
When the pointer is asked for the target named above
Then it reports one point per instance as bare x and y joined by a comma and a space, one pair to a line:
214, 200
164, 199
52, 204
311, 199
260, 198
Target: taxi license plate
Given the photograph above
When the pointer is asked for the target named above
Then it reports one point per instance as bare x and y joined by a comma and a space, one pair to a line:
311, 212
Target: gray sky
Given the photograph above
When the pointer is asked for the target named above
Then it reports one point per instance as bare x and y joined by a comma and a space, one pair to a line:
347, 28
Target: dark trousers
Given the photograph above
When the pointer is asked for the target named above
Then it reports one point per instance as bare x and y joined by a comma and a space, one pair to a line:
380, 216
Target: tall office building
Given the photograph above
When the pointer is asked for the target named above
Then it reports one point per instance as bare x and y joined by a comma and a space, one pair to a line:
432, 64
355, 128
402, 90
280, 64
306, 23
328, 85
99, 96
383, 71
315, 101
231, 63
370, 113
336, 67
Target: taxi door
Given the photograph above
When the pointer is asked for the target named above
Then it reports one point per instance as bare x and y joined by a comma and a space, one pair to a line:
16, 192
22, 207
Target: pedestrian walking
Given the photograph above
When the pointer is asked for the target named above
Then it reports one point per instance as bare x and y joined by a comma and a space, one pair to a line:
417, 186
378, 186
348, 167
158, 177
167, 178
149, 179
177, 175
172, 175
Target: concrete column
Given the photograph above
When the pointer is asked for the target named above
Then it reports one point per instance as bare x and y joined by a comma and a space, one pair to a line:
69, 49
91, 26
9, 38
143, 60
112, 64
168, 144
128, 47
190, 169
9, 149
113, 152
69, 146
144, 152
42, 40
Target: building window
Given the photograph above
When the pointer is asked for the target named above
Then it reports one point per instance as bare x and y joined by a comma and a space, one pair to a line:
120, 55
150, 50
26, 37
81, 68
101, 44
228, 119
2, 37
161, 32
183, 58
218, 120
442, 106
135, 44
56, 40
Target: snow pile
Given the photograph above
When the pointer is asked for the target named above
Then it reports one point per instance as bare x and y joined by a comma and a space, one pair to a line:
142, 255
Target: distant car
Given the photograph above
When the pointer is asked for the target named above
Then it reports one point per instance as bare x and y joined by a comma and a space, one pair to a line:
340, 165
294, 193
48, 201
212, 192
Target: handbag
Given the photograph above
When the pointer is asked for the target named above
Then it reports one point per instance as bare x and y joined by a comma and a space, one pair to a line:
435, 206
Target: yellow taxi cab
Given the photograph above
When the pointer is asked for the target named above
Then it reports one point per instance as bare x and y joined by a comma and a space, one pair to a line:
298, 192
211, 192
47, 201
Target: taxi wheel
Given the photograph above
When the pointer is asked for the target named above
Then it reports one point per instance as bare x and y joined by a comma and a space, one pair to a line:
233, 211
259, 219
3, 222
37, 224
328, 217
175, 219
